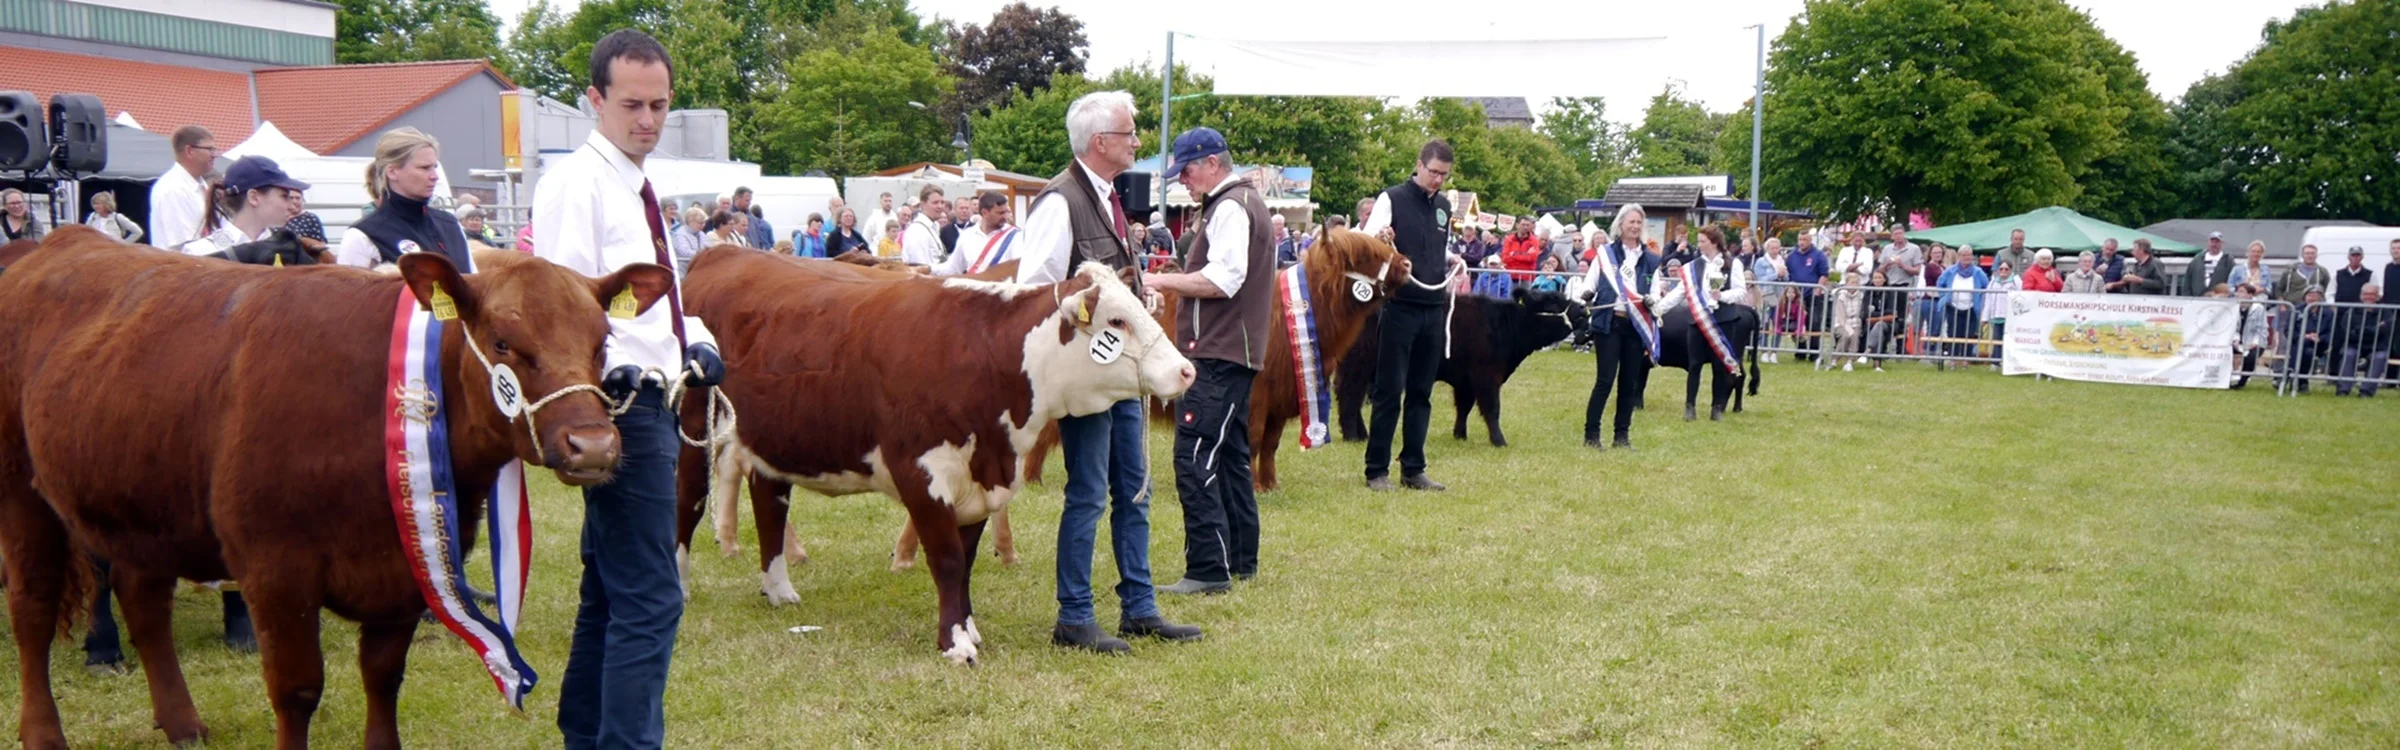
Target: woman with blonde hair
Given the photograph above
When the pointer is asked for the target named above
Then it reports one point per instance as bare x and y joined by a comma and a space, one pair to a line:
19, 222
401, 182
105, 218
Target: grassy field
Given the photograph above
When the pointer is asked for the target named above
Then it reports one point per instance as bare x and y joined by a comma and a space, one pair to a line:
1911, 558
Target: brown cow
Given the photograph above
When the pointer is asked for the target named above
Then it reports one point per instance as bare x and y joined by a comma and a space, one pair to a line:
1275, 395
149, 403
927, 390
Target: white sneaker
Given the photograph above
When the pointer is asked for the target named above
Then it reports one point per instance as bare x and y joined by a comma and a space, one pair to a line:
1845, 367
1862, 360
1879, 367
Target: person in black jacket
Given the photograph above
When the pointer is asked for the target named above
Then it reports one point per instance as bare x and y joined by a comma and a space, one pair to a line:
2315, 330
2365, 343
845, 237
1415, 218
1619, 350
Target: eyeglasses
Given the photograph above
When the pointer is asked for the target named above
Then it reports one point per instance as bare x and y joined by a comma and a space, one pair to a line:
1124, 134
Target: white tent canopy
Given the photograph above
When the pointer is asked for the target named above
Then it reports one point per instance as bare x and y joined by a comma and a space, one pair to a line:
1538, 68
126, 119
269, 141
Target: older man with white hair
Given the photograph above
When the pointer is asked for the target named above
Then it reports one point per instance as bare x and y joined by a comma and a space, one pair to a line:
1080, 219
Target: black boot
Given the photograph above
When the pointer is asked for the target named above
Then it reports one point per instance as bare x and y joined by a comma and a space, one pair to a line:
1623, 443
238, 634
1689, 414
1716, 414
102, 652
1087, 637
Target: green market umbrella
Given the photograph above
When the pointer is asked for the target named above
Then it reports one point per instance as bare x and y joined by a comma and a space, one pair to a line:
2056, 227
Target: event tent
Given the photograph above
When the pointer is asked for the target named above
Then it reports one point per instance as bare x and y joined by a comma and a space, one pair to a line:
2056, 228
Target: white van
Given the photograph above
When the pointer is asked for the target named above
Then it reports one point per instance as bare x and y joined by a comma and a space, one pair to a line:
2334, 243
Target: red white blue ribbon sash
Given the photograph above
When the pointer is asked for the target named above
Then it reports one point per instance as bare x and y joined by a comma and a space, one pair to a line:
1629, 295
1704, 315
424, 493
1308, 362
985, 260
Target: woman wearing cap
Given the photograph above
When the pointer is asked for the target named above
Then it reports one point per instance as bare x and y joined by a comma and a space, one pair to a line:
400, 181
255, 196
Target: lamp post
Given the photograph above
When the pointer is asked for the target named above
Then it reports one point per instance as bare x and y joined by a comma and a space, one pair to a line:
1758, 109
961, 138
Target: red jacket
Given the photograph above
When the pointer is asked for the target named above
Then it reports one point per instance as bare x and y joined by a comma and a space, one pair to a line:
1522, 254
2040, 278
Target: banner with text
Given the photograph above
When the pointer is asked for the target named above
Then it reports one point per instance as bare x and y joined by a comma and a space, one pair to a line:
2174, 341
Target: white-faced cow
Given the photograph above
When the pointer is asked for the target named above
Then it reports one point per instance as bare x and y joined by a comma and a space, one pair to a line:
927, 390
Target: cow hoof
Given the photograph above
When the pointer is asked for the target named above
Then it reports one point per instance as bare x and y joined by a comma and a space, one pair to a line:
973, 636
903, 563
962, 647
1499, 443
1458, 434
776, 584
1008, 559
683, 571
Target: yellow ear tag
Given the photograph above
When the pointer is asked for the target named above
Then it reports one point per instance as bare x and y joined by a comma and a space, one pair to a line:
443, 307
278, 261
1083, 312
624, 307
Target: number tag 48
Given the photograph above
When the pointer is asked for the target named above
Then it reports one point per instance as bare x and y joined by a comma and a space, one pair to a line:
506, 392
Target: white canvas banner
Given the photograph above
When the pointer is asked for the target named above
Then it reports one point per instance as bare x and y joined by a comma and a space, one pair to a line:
1416, 69
2113, 338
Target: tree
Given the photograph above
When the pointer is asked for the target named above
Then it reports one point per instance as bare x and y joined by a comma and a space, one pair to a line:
1677, 136
1601, 150
1016, 54
845, 109
2307, 126
1967, 110
1550, 176
388, 31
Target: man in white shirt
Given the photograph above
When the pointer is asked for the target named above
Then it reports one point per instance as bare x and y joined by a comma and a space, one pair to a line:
596, 212
988, 242
875, 221
921, 240
179, 199
1224, 326
1079, 219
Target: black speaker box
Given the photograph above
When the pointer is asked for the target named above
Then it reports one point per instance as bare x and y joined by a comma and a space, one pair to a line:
1140, 198
81, 125
24, 142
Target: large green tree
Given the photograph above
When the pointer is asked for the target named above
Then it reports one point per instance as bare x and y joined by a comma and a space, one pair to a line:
1677, 136
1968, 110
1602, 150
846, 110
1016, 54
389, 31
2306, 127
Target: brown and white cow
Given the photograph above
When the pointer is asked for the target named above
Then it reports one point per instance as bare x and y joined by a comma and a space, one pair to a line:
191, 418
927, 390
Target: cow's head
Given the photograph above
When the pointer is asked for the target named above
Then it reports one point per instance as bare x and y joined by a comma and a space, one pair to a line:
1102, 347
545, 325
279, 246
1552, 315
1347, 265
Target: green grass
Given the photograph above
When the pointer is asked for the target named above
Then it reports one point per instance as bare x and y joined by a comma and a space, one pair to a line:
1911, 558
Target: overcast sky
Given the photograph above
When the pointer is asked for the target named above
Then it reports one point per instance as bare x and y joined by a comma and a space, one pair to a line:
2176, 42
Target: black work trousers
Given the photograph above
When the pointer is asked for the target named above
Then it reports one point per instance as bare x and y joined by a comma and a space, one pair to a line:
1621, 361
1408, 358
1212, 473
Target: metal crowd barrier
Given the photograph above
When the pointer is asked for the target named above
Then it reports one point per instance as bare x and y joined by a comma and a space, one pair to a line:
1838, 325
2347, 345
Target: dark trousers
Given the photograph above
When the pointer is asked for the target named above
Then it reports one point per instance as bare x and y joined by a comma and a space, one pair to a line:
1107, 472
1962, 326
614, 692
1212, 473
1408, 358
1619, 357
1720, 380
1812, 324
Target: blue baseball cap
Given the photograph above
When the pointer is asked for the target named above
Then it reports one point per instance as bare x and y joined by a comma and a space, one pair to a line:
258, 172
1193, 145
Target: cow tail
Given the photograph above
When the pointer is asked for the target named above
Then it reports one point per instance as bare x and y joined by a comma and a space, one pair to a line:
726, 470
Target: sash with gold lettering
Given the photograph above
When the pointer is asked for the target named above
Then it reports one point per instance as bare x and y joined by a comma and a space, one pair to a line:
1704, 315
425, 505
1629, 294
1307, 360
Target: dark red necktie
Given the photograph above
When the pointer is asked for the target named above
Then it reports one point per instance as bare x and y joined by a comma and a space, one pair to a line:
1116, 205
658, 241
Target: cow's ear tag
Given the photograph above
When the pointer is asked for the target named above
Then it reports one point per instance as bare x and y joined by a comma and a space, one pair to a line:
1083, 310
279, 260
443, 307
624, 306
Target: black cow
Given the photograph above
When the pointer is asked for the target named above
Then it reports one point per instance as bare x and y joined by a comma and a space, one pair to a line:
279, 244
1493, 337
1740, 323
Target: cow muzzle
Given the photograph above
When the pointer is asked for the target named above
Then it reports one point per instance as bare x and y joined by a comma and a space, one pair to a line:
588, 456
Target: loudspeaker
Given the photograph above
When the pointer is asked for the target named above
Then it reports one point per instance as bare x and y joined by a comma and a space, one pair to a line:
1133, 188
24, 143
81, 126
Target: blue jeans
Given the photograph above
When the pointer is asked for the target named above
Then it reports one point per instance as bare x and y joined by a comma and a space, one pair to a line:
1107, 469
615, 687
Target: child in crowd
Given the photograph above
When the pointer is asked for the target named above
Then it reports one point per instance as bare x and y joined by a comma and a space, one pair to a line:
1849, 319
1550, 283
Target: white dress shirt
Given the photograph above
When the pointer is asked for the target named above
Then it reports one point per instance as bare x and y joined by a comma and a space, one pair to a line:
921, 242
357, 250
1666, 286
588, 211
1228, 242
978, 250
1050, 235
176, 203
1381, 218
1863, 257
874, 227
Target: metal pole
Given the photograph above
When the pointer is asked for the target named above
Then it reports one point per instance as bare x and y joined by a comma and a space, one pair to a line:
1758, 120
1166, 130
